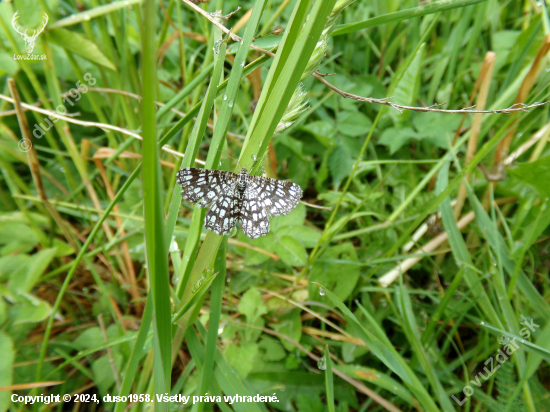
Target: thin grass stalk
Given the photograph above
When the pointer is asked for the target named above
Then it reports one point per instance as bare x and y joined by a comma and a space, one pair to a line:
329, 381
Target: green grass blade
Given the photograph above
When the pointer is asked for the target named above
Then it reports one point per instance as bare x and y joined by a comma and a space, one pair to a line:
329, 381
384, 350
157, 252
406, 14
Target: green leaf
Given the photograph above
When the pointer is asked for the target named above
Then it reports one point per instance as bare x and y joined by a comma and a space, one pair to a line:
8, 355
340, 163
24, 279
242, 357
291, 251
103, 371
89, 339
536, 174
323, 130
274, 351
353, 123
251, 305
407, 89
16, 232
78, 44
296, 217
289, 324
396, 138
305, 235
329, 382
435, 7
253, 257
30, 309
328, 270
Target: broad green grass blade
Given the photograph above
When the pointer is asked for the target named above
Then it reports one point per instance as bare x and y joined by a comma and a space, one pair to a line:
157, 252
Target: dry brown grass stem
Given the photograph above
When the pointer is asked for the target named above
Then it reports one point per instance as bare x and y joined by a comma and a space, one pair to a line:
34, 165
484, 80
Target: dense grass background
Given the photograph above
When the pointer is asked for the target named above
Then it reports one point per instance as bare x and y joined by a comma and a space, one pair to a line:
433, 257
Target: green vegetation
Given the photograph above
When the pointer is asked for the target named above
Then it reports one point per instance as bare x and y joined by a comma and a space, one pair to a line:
425, 286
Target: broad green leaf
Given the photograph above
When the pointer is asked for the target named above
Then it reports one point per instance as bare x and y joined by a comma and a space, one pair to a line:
11, 231
296, 217
353, 123
289, 324
253, 257
251, 305
24, 279
274, 351
305, 235
78, 44
29, 309
336, 269
103, 371
535, 174
89, 339
291, 251
323, 130
340, 163
396, 138
406, 90
242, 357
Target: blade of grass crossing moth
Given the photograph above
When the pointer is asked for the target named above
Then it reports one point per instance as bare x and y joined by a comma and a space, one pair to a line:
284, 85
156, 251
384, 350
191, 153
209, 248
410, 328
137, 351
329, 381
213, 323
460, 250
